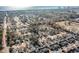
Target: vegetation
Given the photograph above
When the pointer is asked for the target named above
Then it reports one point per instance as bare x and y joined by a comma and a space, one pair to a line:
0, 38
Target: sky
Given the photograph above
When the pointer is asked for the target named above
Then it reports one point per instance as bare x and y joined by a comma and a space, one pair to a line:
20, 4
27, 3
